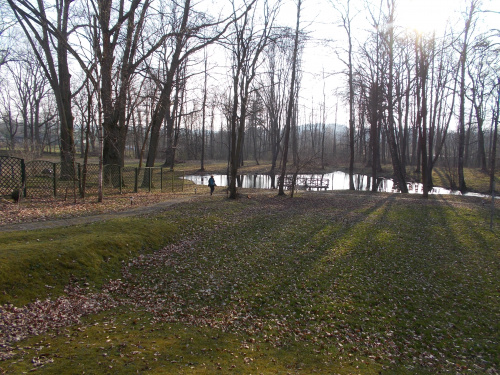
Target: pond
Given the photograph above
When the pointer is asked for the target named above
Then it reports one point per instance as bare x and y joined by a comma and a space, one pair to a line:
329, 181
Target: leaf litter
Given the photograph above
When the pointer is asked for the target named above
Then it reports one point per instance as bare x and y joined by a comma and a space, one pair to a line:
322, 273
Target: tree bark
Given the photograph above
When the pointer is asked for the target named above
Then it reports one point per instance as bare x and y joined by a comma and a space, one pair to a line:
291, 102
203, 105
461, 121
495, 138
399, 173
56, 72
246, 53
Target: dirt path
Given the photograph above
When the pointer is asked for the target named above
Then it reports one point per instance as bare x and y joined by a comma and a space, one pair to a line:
162, 205
79, 220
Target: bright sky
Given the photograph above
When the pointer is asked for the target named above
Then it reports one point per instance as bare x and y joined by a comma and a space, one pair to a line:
320, 21
426, 16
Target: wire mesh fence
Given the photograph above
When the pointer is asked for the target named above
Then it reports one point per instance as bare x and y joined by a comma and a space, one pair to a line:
41, 178
12, 175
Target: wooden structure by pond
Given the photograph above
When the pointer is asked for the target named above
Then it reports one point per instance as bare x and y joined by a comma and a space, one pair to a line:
307, 183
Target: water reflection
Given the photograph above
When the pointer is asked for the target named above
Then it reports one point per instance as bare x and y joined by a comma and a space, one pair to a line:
253, 181
335, 181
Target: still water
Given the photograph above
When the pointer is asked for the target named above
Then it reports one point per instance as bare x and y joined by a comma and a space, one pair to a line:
334, 181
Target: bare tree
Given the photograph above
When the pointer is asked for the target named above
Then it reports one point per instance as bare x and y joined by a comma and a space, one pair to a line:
291, 101
496, 111
32, 90
255, 124
371, 82
192, 32
465, 44
344, 11
273, 91
141, 124
113, 23
203, 119
323, 125
247, 44
10, 123
40, 33
422, 71
21, 77
442, 74
6, 38
397, 166
479, 72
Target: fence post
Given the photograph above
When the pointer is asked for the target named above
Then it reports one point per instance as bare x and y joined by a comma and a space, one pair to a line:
80, 187
136, 186
23, 177
183, 177
54, 177
150, 178
172, 180
120, 171
161, 180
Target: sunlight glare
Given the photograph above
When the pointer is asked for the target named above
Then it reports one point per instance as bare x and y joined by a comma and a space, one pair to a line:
424, 16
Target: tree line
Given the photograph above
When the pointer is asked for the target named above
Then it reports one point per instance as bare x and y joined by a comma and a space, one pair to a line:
168, 80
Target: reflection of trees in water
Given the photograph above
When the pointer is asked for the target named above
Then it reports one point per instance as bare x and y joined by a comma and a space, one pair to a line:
335, 181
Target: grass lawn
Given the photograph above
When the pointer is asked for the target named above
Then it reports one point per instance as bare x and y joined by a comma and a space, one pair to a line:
337, 283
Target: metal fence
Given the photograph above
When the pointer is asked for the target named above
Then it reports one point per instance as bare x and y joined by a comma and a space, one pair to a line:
41, 178
12, 175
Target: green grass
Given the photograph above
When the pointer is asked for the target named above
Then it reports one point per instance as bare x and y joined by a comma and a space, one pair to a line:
326, 283
41, 263
476, 180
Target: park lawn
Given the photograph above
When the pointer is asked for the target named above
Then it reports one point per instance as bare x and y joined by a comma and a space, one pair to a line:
40, 264
322, 283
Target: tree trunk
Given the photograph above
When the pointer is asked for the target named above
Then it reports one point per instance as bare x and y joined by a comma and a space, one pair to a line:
495, 137
461, 121
291, 103
57, 73
399, 173
203, 109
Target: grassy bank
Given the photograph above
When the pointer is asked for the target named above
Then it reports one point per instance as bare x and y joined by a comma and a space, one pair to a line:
321, 283
40, 264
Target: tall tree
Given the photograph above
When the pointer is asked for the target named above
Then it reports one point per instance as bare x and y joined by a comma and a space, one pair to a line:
422, 69
7, 39
291, 101
113, 25
9, 122
203, 117
347, 17
397, 166
465, 44
188, 27
442, 74
479, 72
496, 111
371, 81
402, 85
32, 89
273, 91
248, 42
43, 34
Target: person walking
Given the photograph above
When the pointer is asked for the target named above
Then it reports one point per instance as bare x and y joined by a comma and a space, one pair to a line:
211, 184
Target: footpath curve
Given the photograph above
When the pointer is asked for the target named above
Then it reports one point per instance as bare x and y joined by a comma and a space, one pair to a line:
80, 220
